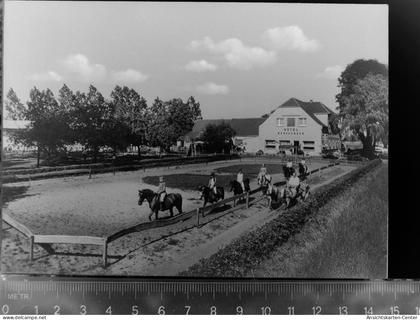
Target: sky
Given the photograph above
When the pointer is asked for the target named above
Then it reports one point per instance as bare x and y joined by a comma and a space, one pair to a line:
238, 60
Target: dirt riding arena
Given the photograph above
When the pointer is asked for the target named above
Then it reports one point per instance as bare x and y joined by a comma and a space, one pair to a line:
107, 203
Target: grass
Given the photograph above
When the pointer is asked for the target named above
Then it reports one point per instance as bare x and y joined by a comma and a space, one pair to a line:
252, 169
189, 181
346, 238
245, 254
9, 194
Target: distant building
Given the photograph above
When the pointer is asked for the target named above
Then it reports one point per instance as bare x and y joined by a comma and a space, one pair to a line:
246, 137
298, 125
10, 126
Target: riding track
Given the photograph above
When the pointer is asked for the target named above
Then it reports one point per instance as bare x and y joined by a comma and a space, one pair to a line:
140, 247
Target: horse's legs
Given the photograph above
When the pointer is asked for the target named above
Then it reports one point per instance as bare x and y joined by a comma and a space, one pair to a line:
150, 215
171, 210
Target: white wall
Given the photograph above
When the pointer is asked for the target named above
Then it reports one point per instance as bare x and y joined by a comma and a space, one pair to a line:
251, 143
269, 130
323, 117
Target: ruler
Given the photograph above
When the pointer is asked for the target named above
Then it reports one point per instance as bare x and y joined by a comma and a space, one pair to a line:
99, 295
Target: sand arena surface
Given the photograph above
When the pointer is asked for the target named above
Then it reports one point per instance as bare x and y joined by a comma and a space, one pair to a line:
102, 205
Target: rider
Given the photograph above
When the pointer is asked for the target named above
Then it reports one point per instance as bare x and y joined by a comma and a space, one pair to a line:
303, 170
240, 179
212, 183
288, 170
262, 174
161, 192
293, 183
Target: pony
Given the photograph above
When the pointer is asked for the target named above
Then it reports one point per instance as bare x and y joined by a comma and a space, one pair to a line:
171, 200
236, 187
209, 195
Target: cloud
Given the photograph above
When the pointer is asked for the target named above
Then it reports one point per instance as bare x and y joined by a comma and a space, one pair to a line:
200, 66
47, 76
212, 88
129, 75
235, 53
331, 72
289, 38
80, 64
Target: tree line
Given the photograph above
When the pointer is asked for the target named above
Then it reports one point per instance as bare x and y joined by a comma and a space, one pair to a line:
91, 120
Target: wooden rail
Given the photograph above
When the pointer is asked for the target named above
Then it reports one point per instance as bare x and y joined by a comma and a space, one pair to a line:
105, 240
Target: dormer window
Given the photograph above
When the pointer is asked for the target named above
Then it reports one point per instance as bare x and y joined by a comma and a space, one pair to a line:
280, 122
302, 122
291, 122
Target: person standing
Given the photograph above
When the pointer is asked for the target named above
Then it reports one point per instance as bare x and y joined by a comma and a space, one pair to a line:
303, 170
212, 183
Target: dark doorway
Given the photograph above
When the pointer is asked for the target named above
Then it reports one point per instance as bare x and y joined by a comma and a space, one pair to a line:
296, 146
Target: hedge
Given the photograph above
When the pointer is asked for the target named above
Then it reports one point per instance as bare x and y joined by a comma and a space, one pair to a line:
246, 252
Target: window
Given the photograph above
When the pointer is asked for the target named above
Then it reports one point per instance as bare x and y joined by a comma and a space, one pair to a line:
308, 148
270, 144
280, 122
302, 122
291, 122
284, 142
309, 142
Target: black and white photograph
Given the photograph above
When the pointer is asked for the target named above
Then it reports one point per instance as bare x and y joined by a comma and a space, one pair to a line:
195, 139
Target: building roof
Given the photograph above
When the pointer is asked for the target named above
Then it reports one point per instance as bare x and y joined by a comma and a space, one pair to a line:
311, 108
243, 127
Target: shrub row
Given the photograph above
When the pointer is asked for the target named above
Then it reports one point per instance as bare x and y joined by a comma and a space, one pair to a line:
246, 252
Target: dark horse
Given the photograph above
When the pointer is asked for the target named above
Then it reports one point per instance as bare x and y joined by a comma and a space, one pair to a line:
236, 187
171, 200
210, 196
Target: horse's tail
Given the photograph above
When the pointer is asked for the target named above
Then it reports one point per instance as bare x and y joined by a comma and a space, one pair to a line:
179, 204
222, 192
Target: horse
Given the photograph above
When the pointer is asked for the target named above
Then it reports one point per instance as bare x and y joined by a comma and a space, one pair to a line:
209, 195
264, 182
171, 200
277, 195
236, 187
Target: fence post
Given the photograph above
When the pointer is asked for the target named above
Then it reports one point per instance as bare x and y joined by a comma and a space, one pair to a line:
31, 248
198, 217
90, 172
105, 252
247, 199
319, 172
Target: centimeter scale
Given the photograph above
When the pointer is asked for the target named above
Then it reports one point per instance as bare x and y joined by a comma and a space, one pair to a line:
95, 295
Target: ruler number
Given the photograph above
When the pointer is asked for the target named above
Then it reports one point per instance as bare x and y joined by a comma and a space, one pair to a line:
291, 310
57, 309
265, 311
368, 310
395, 310
213, 310
5, 309
109, 310
316, 310
188, 309
83, 310
134, 310
342, 309
161, 310
239, 310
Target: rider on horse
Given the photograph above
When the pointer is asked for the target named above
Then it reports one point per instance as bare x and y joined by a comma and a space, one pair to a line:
161, 191
240, 179
212, 183
293, 184
303, 170
288, 170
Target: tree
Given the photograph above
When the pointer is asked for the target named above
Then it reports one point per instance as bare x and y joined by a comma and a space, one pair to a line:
14, 107
171, 120
131, 111
218, 138
353, 73
90, 116
48, 128
365, 111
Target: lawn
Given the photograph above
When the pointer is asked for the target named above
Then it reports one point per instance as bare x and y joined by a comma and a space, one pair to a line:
252, 169
347, 238
189, 182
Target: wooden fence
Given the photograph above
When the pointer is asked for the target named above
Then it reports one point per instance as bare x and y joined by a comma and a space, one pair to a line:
105, 240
